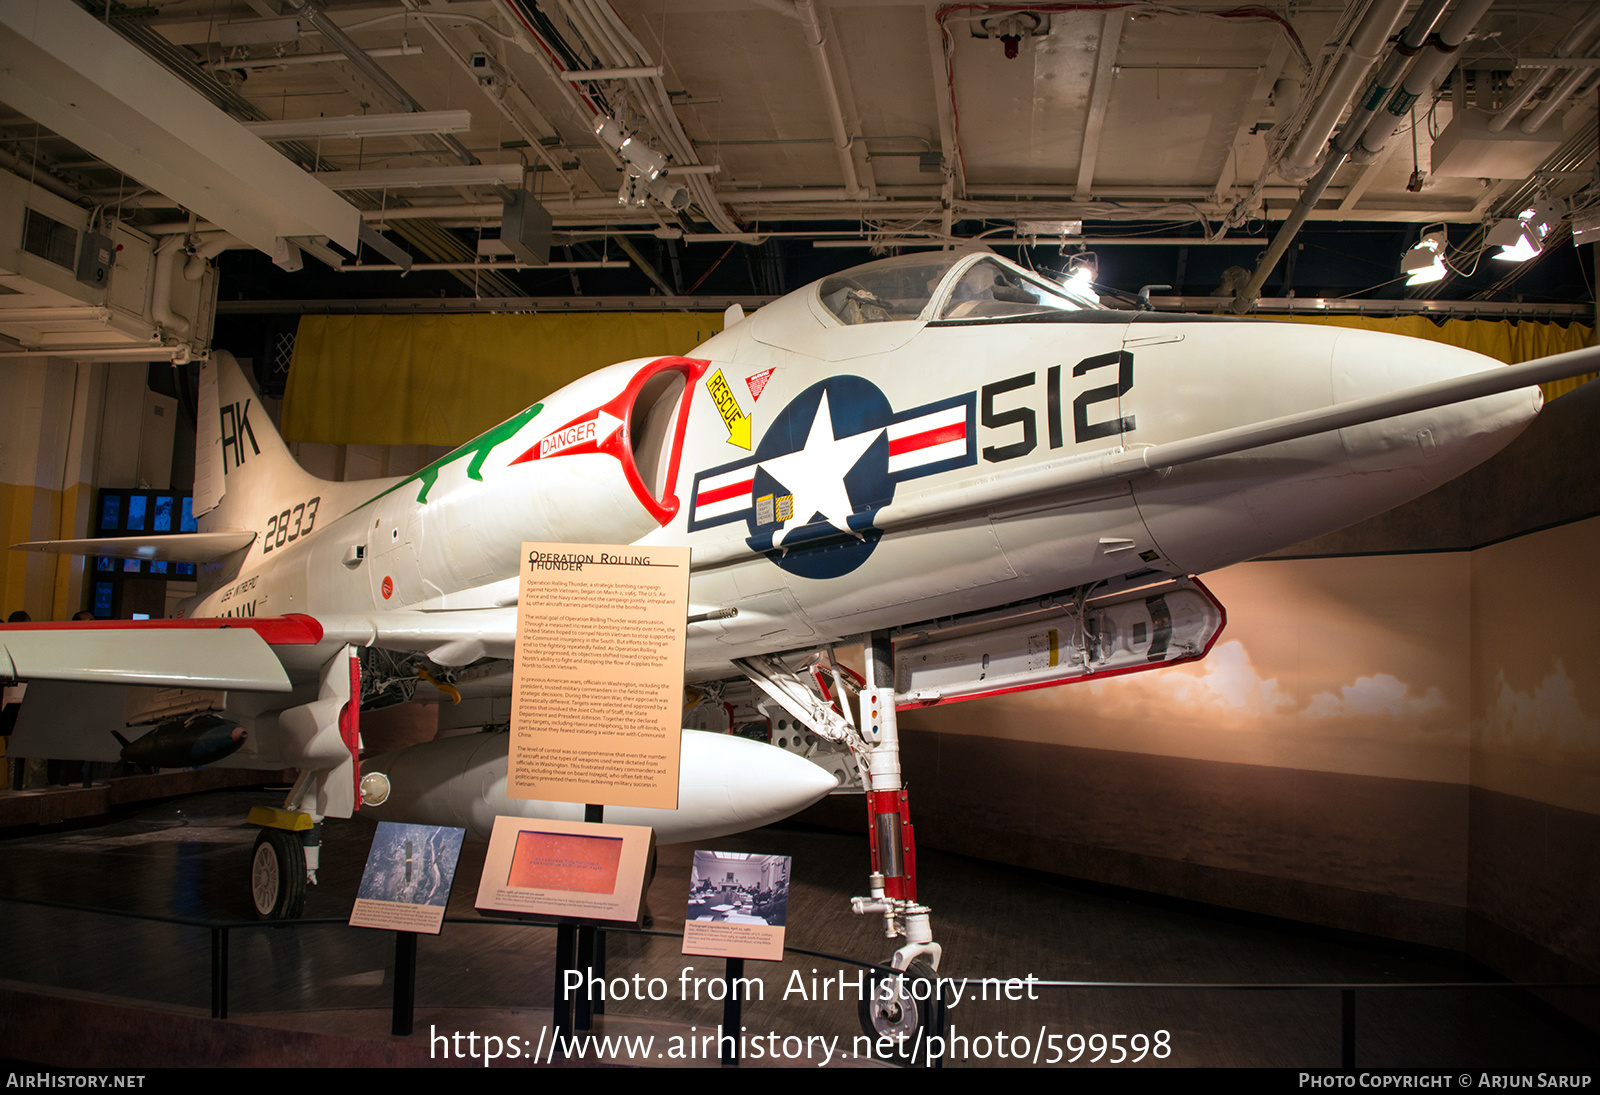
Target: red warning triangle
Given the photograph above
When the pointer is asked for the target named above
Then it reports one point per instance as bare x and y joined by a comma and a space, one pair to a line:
758, 383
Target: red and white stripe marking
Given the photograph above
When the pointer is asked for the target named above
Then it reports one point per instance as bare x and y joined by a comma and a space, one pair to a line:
724, 495
928, 439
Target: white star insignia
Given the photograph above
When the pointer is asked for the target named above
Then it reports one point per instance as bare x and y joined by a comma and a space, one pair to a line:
815, 473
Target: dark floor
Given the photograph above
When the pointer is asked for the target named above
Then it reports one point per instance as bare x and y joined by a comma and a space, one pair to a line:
188, 858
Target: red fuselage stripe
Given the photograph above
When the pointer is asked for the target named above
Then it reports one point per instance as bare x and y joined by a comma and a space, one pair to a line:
939, 436
722, 494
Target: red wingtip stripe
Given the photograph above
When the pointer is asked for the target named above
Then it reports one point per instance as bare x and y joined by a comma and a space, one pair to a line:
293, 629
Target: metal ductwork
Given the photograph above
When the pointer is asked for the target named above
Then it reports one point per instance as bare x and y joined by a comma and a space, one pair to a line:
1581, 32
1376, 116
1366, 44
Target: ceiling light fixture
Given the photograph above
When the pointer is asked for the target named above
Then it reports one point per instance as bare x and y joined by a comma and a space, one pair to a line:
1523, 237
649, 162
1424, 262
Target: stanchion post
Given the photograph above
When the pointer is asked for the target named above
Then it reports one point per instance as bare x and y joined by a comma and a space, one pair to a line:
405, 982
583, 1006
1347, 1040
732, 1010
219, 973
566, 938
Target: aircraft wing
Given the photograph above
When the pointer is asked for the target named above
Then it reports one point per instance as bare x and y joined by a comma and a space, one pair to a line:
451, 637
185, 547
243, 653
232, 653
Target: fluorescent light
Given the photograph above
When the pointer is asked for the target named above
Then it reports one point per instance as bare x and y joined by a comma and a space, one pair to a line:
397, 178
364, 125
1049, 228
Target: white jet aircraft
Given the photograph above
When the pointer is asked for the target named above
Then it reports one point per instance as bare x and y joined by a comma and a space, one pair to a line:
998, 482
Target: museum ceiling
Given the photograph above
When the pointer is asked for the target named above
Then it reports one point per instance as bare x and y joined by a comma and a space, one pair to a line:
772, 141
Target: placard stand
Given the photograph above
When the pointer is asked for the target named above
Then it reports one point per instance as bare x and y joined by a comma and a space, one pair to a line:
578, 947
732, 1007
405, 981
591, 951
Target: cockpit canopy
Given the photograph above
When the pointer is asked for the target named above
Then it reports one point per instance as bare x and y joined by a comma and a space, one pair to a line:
949, 286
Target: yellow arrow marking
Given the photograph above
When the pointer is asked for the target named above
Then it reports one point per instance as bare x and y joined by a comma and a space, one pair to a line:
736, 421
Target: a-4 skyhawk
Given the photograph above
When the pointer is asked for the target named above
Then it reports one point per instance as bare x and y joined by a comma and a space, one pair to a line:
990, 479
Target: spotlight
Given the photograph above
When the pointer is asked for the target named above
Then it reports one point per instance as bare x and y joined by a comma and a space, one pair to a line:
1083, 270
649, 162
1523, 237
1512, 237
673, 195
1424, 262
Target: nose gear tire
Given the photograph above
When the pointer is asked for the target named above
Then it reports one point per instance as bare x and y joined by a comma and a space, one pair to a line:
278, 876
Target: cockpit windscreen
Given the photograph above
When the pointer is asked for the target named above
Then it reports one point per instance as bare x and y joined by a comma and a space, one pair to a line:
883, 291
989, 290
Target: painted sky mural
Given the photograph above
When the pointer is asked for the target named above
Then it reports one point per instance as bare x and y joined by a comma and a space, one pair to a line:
1461, 667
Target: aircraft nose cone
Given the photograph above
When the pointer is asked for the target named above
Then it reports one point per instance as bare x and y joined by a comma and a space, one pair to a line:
1440, 443
760, 783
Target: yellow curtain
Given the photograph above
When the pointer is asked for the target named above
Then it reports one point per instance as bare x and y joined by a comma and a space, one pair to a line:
444, 379
1505, 340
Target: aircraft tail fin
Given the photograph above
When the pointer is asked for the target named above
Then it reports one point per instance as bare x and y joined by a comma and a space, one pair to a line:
239, 456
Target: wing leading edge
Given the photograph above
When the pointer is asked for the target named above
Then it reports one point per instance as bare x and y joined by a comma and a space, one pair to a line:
234, 653
187, 547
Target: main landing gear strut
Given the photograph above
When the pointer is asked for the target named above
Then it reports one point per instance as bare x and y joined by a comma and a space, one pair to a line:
897, 1005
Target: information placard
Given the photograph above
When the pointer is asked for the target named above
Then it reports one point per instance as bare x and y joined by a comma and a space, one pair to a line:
565, 870
738, 906
597, 694
406, 884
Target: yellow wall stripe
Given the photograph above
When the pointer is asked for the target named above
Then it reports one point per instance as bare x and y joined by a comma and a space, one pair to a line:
1505, 340
442, 380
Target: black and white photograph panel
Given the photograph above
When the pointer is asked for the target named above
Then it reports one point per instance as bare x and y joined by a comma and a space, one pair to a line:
739, 888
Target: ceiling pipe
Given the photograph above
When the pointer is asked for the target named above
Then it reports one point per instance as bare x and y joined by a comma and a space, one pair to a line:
100, 353
1555, 100
806, 12
305, 59
1428, 70
313, 13
1569, 45
161, 288
1368, 128
611, 34
830, 92
582, 75
209, 247
391, 268
39, 175
1365, 45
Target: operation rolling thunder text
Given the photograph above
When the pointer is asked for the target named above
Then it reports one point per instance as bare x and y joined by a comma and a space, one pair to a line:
1036, 1047
571, 560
